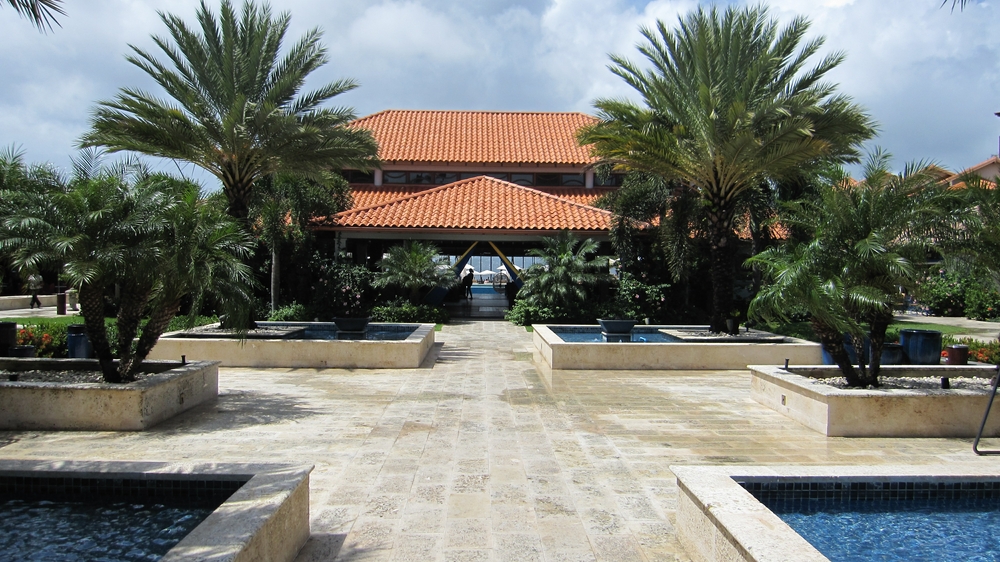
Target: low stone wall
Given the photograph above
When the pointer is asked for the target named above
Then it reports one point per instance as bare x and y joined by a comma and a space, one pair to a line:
265, 520
24, 301
558, 354
173, 388
801, 394
292, 353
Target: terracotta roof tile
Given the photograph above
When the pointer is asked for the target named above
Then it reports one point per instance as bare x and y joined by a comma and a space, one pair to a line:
479, 203
478, 136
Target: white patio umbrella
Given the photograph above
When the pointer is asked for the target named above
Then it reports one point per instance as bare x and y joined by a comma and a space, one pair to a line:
486, 273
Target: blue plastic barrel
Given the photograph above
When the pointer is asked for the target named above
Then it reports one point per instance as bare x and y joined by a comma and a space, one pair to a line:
77, 343
921, 347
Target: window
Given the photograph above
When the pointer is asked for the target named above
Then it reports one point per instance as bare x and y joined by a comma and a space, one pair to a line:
497, 176
523, 179
393, 177
612, 180
468, 175
442, 178
547, 180
571, 179
421, 177
354, 176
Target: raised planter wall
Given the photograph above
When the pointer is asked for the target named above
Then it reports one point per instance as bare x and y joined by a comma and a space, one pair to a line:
24, 301
558, 354
800, 394
136, 406
292, 353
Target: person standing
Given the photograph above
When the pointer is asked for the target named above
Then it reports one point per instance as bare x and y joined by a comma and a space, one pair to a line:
467, 283
35, 285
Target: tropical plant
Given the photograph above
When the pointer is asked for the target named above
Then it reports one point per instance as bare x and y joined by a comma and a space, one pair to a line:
402, 310
342, 290
727, 103
237, 110
282, 209
868, 237
40, 12
294, 312
565, 276
415, 266
148, 235
942, 292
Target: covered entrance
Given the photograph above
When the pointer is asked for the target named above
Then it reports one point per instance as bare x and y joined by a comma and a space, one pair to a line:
484, 223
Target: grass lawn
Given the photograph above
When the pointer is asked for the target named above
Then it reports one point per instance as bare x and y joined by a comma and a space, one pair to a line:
60, 320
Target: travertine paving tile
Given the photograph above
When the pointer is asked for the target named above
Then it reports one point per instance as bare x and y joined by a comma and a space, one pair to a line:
478, 457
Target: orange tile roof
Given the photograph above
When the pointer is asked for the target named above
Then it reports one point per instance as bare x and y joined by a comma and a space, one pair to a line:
369, 195
480, 203
579, 195
478, 136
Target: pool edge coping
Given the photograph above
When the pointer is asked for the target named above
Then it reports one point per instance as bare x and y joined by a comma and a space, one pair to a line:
717, 519
266, 519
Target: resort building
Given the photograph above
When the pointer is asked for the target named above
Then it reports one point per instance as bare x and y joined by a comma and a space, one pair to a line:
476, 183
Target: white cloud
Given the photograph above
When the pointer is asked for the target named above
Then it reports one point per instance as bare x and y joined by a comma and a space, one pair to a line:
932, 78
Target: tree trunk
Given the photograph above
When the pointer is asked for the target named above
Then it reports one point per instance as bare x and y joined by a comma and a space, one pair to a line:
275, 275
833, 343
879, 325
132, 304
159, 319
92, 308
722, 249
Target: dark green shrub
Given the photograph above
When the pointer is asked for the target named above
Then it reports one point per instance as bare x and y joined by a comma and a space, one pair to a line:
981, 302
294, 312
943, 293
524, 313
342, 290
403, 311
636, 299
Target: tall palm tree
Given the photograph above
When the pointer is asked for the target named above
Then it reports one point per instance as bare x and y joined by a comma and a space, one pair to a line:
40, 12
237, 109
727, 103
413, 266
567, 270
869, 239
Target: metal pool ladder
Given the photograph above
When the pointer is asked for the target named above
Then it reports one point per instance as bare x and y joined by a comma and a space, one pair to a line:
979, 435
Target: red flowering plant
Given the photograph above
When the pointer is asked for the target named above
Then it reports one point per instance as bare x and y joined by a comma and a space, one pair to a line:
49, 339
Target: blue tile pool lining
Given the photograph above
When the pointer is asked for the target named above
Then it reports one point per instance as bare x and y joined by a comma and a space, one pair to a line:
188, 491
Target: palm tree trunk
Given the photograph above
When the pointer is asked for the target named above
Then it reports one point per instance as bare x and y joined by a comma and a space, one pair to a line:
159, 319
275, 275
833, 343
92, 308
131, 306
879, 325
721, 248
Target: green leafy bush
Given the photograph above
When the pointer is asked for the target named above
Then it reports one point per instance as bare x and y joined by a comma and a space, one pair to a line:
294, 312
943, 293
635, 299
524, 313
403, 311
342, 290
981, 302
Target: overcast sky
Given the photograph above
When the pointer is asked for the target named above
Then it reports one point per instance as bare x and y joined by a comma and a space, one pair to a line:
931, 78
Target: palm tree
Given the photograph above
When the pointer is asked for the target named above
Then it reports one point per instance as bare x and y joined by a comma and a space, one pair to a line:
869, 239
149, 235
566, 272
414, 266
727, 103
237, 110
283, 210
40, 12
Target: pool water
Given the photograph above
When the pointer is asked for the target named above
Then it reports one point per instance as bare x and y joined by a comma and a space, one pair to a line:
78, 531
592, 335
962, 529
379, 334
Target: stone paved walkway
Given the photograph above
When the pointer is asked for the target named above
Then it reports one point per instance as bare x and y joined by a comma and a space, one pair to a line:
478, 457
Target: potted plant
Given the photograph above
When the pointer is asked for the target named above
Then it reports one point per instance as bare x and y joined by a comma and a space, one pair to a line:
733, 322
344, 294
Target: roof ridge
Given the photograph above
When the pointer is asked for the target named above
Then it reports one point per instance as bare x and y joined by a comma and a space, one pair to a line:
458, 183
480, 111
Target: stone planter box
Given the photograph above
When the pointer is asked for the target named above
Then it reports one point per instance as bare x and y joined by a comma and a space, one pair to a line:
801, 394
172, 389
